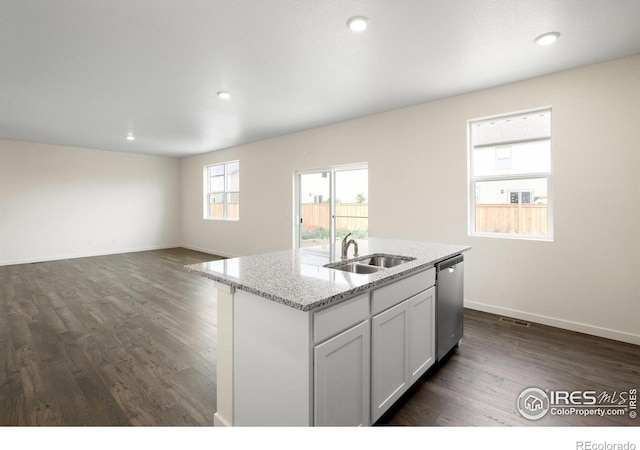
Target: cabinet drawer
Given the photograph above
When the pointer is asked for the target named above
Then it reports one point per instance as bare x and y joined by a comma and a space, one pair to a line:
335, 319
392, 294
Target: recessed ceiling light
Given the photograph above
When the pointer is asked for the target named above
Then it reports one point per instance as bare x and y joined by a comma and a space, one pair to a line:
224, 95
131, 137
547, 38
358, 23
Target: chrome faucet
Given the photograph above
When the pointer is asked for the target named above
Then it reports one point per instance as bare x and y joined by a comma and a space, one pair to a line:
345, 246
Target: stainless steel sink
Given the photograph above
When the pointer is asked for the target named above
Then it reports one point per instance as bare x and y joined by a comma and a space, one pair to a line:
370, 264
385, 261
355, 267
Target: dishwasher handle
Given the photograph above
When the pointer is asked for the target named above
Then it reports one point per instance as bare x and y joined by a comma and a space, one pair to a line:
449, 262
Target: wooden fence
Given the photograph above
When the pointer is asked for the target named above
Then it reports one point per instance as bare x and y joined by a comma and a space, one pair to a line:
319, 215
217, 210
521, 218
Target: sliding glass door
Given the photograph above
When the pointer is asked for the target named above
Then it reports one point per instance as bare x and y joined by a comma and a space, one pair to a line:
331, 203
314, 200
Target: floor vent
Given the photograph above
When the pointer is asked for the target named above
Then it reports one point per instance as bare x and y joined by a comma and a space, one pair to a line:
518, 322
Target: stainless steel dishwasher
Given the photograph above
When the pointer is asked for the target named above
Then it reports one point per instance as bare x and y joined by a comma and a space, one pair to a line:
449, 304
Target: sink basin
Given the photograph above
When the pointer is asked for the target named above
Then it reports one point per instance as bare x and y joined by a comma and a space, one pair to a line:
385, 261
370, 264
355, 267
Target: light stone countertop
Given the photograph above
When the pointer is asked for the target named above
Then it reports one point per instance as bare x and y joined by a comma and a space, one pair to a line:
298, 278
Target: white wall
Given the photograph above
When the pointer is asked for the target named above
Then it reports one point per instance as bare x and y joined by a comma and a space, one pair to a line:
586, 279
61, 202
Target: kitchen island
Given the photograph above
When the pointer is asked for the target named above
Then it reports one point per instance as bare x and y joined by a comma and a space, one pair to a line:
302, 342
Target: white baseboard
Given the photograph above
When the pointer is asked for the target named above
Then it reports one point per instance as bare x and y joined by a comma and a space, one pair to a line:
85, 255
218, 420
109, 252
554, 322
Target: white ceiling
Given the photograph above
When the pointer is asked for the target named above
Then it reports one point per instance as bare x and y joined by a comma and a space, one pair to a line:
86, 73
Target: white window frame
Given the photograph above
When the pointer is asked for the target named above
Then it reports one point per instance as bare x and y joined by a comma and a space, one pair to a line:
472, 180
225, 192
502, 158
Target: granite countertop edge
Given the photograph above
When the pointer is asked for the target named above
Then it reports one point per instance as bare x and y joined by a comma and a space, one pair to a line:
336, 298
331, 297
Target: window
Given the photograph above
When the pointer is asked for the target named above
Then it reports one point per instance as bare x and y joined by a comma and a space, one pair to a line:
332, 202
222, 191
510, 176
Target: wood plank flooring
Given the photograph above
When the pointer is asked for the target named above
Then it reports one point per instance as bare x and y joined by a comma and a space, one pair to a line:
130, 339
112, 340
479, 383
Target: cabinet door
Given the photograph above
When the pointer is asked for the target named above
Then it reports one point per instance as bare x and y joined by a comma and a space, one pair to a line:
390, 357
422, 343
341, 378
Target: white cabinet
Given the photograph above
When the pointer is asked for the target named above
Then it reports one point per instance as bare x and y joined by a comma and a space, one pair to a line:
343, 365
330, 321
341, 378
342, 369
422, 344
389, 357
393, 293
402, 349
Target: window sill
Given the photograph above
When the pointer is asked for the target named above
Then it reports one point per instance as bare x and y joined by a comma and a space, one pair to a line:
220, 219
519, 237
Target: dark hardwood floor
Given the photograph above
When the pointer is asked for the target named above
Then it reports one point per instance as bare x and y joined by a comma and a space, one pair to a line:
130, 339
480, 381
123, 339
